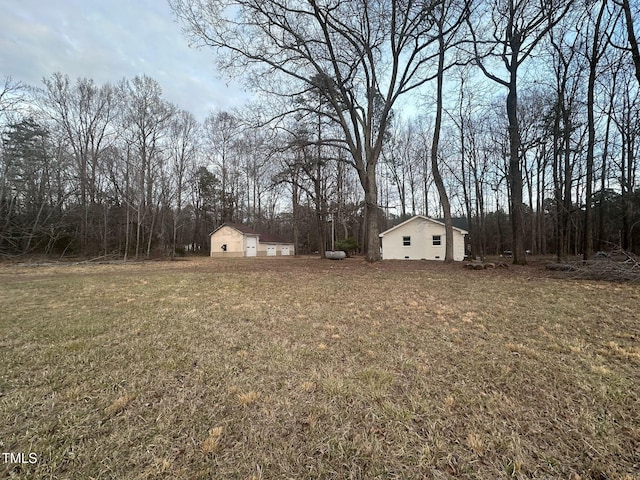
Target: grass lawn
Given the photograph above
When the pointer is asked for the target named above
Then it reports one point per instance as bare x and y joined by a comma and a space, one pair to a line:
303, 368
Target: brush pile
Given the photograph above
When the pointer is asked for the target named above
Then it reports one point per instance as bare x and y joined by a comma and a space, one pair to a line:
617, 266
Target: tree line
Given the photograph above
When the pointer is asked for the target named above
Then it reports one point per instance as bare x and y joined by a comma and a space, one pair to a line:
519, 118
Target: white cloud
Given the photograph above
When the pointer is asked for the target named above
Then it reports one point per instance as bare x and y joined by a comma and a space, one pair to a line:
108, 41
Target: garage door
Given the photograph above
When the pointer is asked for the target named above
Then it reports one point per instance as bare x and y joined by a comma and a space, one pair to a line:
271, 250
285, 250
252, 246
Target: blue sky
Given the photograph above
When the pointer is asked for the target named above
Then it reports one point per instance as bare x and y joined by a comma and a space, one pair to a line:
109, 40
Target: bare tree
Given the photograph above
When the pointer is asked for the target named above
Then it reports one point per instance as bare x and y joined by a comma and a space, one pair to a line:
626, 116
258, 167
508, 32
145, 124
568, 69
223, 132
448, 17
84, 112
398, 161
362, 56
595, 48
631, 34
183, 151
12, 97
472, 167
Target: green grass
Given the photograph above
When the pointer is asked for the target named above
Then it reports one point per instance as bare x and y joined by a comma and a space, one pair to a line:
302, 368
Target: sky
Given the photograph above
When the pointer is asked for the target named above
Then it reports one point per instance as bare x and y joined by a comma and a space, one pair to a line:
108, 40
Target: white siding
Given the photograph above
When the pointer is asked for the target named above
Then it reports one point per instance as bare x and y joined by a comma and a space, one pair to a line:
421, 230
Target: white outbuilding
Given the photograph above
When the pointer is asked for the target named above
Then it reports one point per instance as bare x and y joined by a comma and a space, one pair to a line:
420, 238
236, 240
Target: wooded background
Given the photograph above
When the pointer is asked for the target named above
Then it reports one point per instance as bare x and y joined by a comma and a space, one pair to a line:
116, 170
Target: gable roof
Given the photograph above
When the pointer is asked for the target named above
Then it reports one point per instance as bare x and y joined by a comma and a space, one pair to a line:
245, 230
400, 225
270, 238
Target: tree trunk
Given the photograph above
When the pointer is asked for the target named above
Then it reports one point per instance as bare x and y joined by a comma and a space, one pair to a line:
295, 211
633, 41
603, 177
591, 140
371, 215
437, 177
567, 205
515, 174
321, 230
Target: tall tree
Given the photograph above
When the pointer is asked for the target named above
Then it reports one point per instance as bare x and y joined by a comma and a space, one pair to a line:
84, 112
627, 120
595, 49
448, 16
568, 70
26, 213
508, 32
629, 17
223, 132
362, 56
183, 151
145, 124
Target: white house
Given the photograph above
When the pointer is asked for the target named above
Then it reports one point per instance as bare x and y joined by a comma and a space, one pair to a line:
420, 238
235, 240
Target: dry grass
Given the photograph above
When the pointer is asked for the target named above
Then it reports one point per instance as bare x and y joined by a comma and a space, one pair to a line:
302, 368
211, 443
120, 404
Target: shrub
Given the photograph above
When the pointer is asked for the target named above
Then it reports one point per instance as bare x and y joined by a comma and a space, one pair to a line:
348, 246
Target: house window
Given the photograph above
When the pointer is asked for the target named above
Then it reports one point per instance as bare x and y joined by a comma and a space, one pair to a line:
437, 240
406, 241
